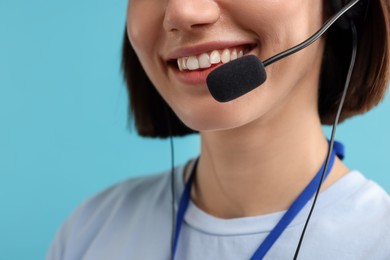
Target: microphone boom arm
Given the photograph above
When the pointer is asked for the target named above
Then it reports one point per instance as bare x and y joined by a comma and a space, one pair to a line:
313, 38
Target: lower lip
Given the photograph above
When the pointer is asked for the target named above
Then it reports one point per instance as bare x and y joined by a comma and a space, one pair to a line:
194, 77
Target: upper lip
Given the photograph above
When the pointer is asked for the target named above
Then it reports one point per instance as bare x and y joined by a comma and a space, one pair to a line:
203, 48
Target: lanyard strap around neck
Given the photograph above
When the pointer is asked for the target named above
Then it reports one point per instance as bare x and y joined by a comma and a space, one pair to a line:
295, 208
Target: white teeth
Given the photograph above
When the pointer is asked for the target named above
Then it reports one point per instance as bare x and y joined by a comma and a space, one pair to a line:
192, 63
184, 62
205, 60
181, 63
233, 55
225, 57
215, 57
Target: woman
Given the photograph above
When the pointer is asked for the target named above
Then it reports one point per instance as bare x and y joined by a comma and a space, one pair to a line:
258, 152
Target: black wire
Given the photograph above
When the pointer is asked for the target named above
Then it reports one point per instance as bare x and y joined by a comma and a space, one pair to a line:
347, 81
313, 38
172, 192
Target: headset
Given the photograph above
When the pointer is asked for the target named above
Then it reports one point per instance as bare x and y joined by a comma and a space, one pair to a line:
345, 15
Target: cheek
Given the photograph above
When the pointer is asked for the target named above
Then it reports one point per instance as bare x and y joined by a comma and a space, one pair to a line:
281, 25
143, 30
145, 33
278, 24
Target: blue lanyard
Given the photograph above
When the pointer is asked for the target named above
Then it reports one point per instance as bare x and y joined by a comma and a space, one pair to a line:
291, 213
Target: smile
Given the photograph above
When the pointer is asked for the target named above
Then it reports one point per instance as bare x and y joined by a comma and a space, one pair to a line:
208, 59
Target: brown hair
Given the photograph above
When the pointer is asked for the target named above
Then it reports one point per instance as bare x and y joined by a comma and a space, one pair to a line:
154, 118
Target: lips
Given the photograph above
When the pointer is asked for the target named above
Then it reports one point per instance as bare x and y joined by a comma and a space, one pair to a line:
206, 59
192, 66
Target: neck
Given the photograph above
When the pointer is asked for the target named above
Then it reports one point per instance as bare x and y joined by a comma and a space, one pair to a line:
248, 172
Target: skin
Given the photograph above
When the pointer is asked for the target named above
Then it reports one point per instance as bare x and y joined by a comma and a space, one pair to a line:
258, 152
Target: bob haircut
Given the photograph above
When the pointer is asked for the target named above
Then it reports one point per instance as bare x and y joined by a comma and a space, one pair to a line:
154, 118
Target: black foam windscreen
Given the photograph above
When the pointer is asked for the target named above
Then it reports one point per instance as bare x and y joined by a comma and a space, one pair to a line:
236, 78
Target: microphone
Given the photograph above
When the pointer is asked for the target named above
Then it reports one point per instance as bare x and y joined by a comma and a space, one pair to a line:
240, 76
236, 78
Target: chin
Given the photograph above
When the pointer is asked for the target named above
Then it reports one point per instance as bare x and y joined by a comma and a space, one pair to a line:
211, 122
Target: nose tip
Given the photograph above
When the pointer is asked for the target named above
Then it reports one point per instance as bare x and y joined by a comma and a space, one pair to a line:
185, 15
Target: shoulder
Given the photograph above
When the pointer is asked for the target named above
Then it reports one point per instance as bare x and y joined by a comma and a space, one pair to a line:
357, 199
351, 219
368, 197
356, 219
132, 195
132, 192
119, 211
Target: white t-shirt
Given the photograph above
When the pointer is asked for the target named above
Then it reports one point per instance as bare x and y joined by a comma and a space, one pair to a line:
132, 220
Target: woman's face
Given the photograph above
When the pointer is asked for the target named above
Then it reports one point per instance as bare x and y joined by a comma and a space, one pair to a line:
197, 34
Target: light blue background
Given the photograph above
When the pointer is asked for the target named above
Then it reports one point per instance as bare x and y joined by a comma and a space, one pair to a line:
63, 126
